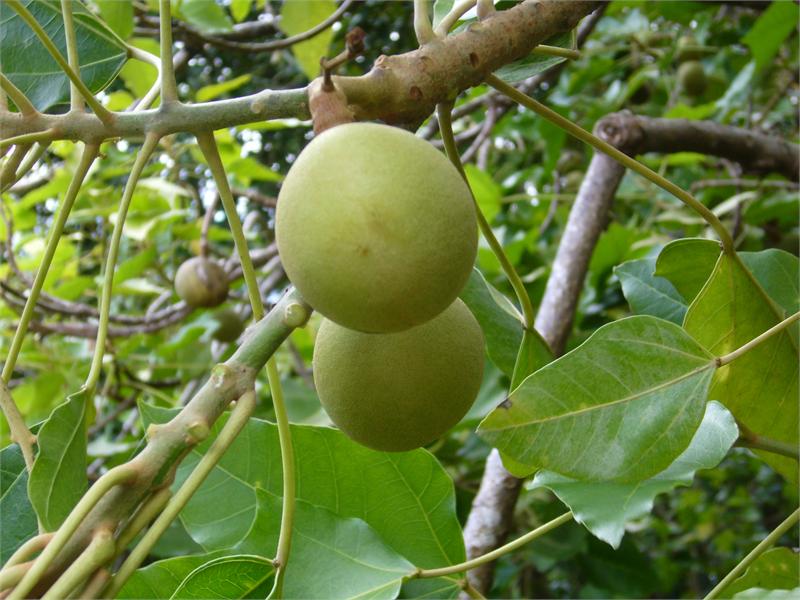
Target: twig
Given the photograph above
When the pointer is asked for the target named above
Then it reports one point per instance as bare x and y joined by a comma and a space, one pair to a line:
23, 104
169, 87
766, 544
443, 110
497, 553
621, 157
87, 158
149, 145
452, 17
75, 98
422, 23
728, 358
237, 420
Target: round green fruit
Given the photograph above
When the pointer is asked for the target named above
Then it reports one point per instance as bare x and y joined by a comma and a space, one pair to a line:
692, 78
201, 282
375, 228
399, 391
688, 49
229, 325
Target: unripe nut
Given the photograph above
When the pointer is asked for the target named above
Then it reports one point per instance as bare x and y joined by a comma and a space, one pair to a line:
201, 282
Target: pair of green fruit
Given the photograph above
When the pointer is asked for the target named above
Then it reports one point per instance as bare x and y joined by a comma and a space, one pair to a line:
377, 230
202, 283
691, 75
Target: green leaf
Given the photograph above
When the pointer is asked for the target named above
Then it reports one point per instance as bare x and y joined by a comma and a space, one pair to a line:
769, 32
117, 15
605, 508
240, 9
407, 498
58, 478
487, 192
535, 63
776, 569
28, 64
760, 387
298, 16
160, 579
440, 9
501, 323
17, 519
347, 557
778, 272
209, 92
649, 294
687, 264
239, 576
534, 353
622, 406
206, 15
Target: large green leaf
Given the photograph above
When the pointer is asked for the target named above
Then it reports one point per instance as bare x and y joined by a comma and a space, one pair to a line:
776, 569
622, 406
206, 15
17, 519
760, 387
407, 498
298, 16
117, 15
765, 594
649, 294
769, 32
687, 264
605, 508
30, 67
499, 319
346, 556
239, 576
58, 478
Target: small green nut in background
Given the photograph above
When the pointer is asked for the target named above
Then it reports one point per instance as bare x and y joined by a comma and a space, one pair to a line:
201, 282
688, 49
229, 325
399, 391
692, 78
375, 228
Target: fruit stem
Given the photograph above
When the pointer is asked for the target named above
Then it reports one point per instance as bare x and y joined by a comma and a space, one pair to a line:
446, 129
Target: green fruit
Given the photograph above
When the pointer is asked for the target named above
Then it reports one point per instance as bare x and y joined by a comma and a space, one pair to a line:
572, 181
229, 325
399, 391
568, 161
375, 228
201, 282
688, 49
692, 78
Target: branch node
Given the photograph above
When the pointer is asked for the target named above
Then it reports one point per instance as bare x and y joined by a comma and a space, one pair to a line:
295, 315
196, 432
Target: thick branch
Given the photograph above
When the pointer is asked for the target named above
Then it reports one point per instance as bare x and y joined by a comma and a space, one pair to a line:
755, 152
168, 444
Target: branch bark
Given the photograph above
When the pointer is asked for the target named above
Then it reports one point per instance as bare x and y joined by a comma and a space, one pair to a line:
493, 507
402, 89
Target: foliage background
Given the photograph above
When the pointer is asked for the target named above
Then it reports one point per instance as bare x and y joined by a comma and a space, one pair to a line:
523, 184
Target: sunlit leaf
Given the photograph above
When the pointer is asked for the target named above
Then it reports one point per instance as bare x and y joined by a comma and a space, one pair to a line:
776, 569
58, 478
28, 64
622, 406
760, 387
298, 16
